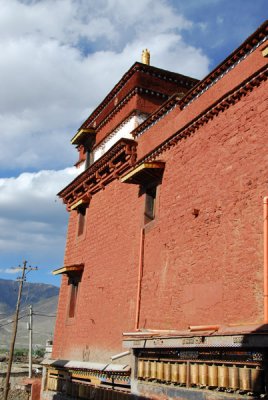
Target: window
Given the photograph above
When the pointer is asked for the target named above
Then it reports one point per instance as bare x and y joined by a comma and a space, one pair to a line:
73, 283
89, 158
81, 210
150, 197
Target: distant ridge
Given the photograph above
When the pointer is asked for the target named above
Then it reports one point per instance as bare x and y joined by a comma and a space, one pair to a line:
43, 298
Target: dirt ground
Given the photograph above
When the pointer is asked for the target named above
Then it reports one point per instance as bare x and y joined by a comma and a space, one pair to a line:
15, 394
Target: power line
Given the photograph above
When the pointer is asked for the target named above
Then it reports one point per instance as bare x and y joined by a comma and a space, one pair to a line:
21, 279
11, 322
44, 315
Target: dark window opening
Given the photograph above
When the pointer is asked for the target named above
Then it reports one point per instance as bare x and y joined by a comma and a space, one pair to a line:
81, 210
74, 284
89, 158
150, 198
89, 144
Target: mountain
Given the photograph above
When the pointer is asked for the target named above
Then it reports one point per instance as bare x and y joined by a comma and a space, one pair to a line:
44, 300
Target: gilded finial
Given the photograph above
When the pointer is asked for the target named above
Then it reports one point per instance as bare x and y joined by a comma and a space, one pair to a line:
145, 57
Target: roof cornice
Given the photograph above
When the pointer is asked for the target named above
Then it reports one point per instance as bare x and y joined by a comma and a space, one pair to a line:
138, 67
250, 44
226, 101
110, 166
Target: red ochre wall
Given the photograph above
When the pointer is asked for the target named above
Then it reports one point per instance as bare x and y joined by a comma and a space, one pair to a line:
205, 269
197, 270
209, 269
107, 293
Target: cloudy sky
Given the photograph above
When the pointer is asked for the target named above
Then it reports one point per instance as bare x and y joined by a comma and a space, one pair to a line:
59, 58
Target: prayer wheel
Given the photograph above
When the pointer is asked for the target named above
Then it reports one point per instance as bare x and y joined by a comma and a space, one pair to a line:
75, 389
182, 373
212, 376
98, 394
223, 377
105, 394
167, 372
257, 380
153, 372
160, 371
69, 387
175, 373
81, 391
233, 378
146, 369
194, 377
140, 369
113, 395
245, 379
203, 375
88, 391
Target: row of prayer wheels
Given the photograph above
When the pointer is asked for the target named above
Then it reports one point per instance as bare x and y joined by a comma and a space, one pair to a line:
83, 391
203, 375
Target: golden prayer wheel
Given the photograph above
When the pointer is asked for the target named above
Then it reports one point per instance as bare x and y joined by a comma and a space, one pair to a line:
105, 394
182, 373
167, 372
98, 394
203, 375
194, 374
175, 373
88, 394
223, 377
153, 372
212, 375
245, 379
233, 378
112, 395
146, 369
69, 387
160, 371
257, 380
119, 395
140, 369
74, 389
81, 391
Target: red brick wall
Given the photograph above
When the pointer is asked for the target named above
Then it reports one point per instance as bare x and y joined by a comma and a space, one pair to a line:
205, 269
177, 118
209, 269
107, 293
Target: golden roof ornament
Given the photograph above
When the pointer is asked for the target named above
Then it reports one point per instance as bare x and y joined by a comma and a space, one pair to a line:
145, 57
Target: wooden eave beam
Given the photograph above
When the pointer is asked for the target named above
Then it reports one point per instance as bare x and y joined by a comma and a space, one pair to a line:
79, 203
81, 134
68, 268
144, 173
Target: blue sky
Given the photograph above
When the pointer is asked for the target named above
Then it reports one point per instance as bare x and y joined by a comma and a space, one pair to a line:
59, 58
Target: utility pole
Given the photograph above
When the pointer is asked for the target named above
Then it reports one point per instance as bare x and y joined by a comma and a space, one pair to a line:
30, 328
15, 326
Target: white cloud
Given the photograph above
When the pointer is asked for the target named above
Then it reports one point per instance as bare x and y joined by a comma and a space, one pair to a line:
32, 219
12, 271
61, 57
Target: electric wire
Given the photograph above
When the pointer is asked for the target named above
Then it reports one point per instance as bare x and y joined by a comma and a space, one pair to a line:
44, 315
11, 322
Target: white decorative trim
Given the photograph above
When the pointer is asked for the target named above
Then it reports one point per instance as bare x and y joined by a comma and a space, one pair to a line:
122, 131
